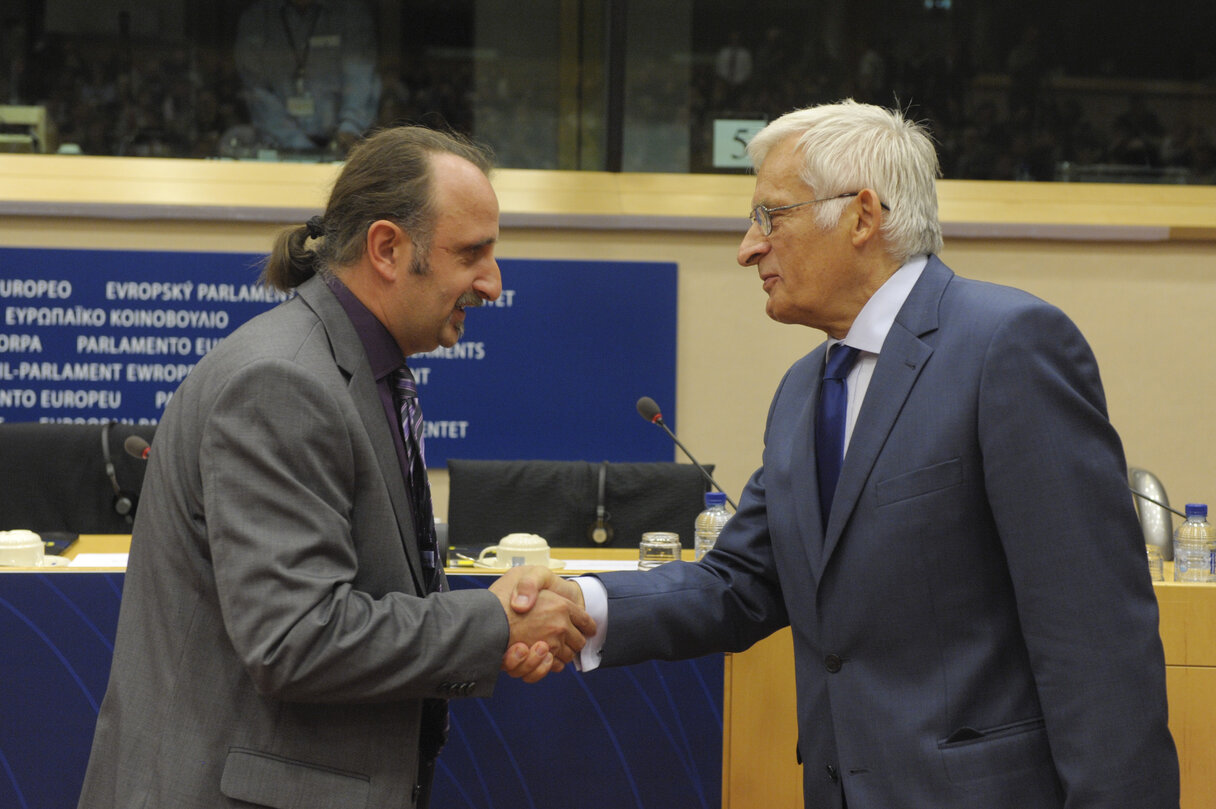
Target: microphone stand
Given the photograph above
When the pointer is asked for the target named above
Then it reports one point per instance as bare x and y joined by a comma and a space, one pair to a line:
658, 419
1157, 503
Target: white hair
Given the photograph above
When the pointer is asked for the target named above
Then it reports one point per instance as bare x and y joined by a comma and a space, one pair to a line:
848, 146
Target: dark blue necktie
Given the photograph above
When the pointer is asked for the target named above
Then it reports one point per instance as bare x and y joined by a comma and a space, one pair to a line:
829, 423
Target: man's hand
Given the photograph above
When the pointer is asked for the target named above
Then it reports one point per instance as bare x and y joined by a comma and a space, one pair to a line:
342, 142
530, 664
527, 587
548, 623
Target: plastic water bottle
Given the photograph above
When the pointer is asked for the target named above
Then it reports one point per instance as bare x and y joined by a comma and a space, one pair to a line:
710, 523
1195, 546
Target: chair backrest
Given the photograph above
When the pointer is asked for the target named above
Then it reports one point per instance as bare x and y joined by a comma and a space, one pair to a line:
1155, 521
558, 500
53, 477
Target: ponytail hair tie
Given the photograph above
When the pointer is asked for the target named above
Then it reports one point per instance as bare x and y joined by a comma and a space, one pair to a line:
316, 227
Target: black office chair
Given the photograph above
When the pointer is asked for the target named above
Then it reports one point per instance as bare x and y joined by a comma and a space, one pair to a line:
63, 479
572, 503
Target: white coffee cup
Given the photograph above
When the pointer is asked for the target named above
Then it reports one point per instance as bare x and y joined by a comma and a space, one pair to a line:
514, 550
21, 549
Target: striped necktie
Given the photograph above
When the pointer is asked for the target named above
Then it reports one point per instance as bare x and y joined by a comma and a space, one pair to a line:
416, 480
434, 723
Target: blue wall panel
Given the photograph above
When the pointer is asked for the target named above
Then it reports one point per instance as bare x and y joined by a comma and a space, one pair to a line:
551, 371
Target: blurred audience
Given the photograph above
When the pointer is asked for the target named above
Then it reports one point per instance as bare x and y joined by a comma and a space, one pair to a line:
119, 95
308, 70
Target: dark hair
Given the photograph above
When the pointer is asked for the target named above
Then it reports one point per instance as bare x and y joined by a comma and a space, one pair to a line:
386, 176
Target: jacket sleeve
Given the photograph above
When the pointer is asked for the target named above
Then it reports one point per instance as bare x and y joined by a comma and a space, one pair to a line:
726, 602
1057, 484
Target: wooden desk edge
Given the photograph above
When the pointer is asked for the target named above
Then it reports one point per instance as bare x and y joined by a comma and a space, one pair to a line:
121, 543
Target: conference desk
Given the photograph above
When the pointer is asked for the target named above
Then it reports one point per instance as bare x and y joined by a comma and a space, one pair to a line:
641, 736
716, 730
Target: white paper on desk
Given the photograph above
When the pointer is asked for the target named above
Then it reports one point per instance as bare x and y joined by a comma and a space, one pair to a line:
99, 560
598, 565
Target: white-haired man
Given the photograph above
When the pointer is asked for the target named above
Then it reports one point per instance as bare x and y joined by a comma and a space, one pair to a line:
921, 516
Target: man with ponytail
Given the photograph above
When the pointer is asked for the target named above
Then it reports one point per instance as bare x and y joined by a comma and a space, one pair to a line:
286, 636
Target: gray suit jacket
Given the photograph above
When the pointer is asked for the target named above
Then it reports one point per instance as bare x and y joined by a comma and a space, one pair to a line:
273, 647
976, 627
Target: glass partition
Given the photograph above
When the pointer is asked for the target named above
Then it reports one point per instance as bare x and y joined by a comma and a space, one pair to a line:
1085, 90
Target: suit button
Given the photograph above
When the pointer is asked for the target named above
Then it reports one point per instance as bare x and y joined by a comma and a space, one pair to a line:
832, 663
833, 776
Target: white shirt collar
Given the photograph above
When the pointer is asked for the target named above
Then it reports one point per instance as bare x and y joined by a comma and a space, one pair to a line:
869, 329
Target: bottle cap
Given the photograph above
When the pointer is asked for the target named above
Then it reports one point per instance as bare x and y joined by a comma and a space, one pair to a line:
1196, 510
715, 499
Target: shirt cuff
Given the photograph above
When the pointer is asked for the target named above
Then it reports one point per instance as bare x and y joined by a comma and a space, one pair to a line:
595, 601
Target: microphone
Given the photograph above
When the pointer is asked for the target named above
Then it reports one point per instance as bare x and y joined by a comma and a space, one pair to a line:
649, 410
137, 447
600, 531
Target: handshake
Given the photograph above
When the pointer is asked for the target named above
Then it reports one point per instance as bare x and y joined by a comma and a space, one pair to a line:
547, 621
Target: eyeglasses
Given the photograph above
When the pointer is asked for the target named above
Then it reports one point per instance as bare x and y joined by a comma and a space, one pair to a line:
762, 216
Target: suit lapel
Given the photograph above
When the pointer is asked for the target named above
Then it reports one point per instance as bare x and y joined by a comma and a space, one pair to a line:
804, 468
903, 356
351, 359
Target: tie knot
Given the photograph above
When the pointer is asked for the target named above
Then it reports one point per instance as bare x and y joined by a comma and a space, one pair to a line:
840, 361
404, 382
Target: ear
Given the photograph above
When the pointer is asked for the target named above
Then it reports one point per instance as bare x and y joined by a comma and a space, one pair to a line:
870, 213
387, 247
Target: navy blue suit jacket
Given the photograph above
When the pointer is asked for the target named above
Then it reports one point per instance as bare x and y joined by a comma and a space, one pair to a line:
976, 626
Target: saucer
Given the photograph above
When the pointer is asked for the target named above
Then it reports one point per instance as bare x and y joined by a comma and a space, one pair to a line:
47, 561
486, 564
